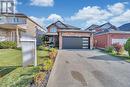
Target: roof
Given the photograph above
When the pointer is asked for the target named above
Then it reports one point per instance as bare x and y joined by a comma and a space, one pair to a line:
13, 14
108, 26
92, 27
125, 27
62, 25
114, 32
82, 31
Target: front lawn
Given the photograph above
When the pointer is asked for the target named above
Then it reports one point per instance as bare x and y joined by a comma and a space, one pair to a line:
12, 74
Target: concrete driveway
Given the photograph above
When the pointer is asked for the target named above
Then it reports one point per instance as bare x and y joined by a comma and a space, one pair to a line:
89, 68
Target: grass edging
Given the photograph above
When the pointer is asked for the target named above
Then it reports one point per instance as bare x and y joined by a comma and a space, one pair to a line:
122, 57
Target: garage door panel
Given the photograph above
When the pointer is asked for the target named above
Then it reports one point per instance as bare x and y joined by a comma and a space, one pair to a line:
75, 43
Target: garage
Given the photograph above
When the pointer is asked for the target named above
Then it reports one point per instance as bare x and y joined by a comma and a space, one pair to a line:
75, 39
71, 42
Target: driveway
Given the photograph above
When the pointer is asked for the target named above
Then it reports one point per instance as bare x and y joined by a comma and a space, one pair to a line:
89, 68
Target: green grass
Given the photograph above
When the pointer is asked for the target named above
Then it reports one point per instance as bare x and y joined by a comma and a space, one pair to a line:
10, 57
12, 74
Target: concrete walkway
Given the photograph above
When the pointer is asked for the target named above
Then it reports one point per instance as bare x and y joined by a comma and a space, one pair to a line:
89, 68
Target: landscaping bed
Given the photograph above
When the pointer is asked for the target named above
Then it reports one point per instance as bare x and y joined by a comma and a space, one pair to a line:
123, 57
12, 74
119, 51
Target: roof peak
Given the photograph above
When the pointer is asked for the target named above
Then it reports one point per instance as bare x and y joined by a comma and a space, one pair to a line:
63, 25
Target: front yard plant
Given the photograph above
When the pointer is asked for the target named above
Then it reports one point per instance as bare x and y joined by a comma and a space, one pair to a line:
52, 53
118, 48
39, 78
127, 46
109, 49
12, 74
8, 45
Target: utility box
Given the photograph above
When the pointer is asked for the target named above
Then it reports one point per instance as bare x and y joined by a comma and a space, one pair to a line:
29, 53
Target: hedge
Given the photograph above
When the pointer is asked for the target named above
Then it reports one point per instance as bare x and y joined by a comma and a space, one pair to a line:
8, 45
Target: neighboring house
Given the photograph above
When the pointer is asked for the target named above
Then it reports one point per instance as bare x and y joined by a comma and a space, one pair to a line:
93, 28
108, 34
66, 36
15, 25
125, 27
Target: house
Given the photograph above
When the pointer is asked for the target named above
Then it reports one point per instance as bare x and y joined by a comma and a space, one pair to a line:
108, 34
66, 36
93, 27
125, 27
14, 25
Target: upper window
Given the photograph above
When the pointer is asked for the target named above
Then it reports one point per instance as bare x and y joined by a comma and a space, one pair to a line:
53, 30
7, 6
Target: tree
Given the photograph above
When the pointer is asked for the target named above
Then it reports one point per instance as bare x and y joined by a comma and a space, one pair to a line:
127, 46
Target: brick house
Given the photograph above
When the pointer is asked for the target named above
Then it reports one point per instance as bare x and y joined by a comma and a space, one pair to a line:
106, 39
69, 37
108, 34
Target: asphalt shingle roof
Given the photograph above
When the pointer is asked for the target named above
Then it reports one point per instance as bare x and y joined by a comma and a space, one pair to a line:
62, 25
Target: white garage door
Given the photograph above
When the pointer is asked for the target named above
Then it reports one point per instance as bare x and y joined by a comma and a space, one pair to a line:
121, 41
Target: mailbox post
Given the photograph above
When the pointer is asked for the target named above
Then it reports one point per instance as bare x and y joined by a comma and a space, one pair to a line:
29, 53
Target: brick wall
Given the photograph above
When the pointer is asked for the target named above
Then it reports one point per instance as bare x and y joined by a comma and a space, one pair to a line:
105, 40
100, 41
80, 34
119, 36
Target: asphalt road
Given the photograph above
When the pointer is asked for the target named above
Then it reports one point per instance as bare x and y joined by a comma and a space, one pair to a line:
89, 68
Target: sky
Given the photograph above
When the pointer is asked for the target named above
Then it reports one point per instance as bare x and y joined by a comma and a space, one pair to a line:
80, 13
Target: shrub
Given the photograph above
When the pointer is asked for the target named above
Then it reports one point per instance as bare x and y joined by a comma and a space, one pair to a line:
8, 45
109, 49
127, 46
53, 53
18, 48
39, 78
53, 50
40, 47
119, 48
48, 64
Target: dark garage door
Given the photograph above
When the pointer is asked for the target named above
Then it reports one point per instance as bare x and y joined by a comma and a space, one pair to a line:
75, 43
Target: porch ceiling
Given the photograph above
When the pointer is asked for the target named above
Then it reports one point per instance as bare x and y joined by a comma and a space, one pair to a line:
11, 26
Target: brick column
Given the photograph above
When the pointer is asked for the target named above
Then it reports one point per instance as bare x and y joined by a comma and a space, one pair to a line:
91, 41
108, 40
60, 40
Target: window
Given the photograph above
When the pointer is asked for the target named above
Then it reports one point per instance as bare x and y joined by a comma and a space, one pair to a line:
53, 30
7, 6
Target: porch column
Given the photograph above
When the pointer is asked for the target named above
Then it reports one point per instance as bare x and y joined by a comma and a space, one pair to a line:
17, 36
